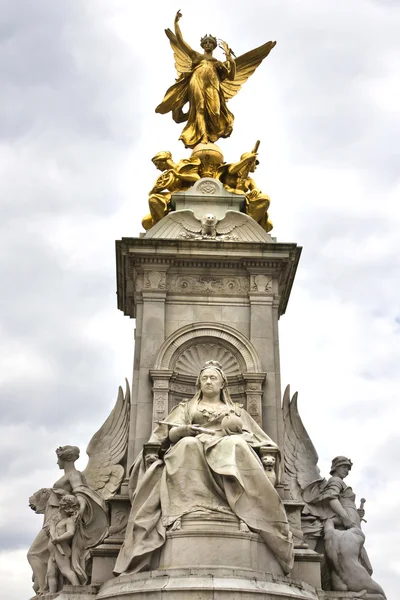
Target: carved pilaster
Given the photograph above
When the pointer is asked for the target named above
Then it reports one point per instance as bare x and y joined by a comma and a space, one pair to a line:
260, 283
293, 512
161, 389
154, 280
254, 384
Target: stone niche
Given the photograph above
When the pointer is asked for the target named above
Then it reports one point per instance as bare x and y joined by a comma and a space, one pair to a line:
184, 353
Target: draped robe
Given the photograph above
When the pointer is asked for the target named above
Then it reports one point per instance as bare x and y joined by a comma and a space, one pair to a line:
208, 113
214, 473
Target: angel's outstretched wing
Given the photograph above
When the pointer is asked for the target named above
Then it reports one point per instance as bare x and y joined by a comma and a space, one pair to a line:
107, 448
301, 458
182, 53
245, 66
187, 219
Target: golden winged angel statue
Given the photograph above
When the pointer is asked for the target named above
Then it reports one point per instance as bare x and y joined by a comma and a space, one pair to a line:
206, 84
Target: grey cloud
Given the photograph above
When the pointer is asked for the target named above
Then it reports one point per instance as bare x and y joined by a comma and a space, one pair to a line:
323, 67
57, 76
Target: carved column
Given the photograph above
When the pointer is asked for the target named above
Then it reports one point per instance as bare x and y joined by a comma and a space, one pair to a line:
264, 336
151, 293
254, 384
161, 389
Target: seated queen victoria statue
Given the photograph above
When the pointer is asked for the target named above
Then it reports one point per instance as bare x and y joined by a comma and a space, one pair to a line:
207, 457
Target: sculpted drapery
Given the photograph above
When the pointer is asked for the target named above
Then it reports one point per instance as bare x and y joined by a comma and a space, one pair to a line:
219, 471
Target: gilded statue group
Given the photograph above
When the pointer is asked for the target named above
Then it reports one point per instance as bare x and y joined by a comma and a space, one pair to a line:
206, 84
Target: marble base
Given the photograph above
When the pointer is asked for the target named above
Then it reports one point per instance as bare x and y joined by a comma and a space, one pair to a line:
205, 584
307, 567
103, 561
349, 596
209, 541
215, 541
72, 592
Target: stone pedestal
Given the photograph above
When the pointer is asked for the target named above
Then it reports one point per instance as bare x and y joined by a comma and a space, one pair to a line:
209, 546
105, 555
205, 584
72, 592
348, 596
215, 541
208, 195
307, 567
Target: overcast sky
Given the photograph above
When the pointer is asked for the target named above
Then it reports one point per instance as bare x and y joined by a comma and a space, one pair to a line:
79, 82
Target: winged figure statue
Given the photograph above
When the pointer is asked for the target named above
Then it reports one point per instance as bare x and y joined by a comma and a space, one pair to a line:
206, 84
331, 521
74, 508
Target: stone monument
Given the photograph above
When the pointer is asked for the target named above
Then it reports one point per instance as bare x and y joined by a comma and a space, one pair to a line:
201, 484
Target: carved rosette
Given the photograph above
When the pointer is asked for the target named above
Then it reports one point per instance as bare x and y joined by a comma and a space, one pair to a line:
208, 188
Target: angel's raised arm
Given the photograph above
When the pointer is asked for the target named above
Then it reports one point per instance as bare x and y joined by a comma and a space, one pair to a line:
184, 45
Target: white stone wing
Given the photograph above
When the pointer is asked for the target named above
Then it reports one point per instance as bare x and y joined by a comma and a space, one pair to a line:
243, 226
301, 458
186, 219
107, 448
174, 224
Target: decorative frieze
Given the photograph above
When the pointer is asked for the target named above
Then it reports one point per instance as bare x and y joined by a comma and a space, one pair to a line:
208, 284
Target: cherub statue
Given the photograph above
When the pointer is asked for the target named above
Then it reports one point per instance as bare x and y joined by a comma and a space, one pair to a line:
74, 508
176, 177
62, 530
235, 177
334, 521
206, 84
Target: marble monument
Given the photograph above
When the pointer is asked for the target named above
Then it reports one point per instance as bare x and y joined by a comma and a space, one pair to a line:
202, 484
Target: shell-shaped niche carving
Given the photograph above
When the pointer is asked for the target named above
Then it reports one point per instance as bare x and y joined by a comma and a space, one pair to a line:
193, 358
